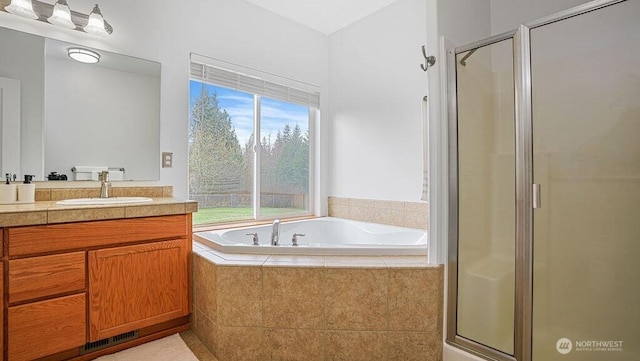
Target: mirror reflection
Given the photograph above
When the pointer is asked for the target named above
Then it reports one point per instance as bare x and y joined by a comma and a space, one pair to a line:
80, 116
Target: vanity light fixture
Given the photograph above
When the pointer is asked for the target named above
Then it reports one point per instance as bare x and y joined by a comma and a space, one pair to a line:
84, 55
61, 15
22, 8
95, 25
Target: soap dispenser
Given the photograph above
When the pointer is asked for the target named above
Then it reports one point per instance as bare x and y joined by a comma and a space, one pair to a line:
8, 191
27, 190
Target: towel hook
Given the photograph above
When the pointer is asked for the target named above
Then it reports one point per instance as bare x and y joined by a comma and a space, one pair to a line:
430, 60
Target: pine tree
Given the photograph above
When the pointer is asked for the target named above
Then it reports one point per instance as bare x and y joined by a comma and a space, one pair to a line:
215, 154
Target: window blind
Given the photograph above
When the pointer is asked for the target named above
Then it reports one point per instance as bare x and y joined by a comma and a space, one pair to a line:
253, 84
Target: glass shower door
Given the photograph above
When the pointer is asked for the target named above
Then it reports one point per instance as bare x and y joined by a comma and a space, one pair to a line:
585, 74
486, 197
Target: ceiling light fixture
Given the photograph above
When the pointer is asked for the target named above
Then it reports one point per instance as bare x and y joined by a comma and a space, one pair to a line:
61, 15
95, 24
84, 55
22, 8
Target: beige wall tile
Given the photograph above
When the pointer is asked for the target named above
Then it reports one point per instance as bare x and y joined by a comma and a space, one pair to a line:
293, 297
389, 204
396, 213
354, 262
414, 299
414, 219
204, 287
419, 207
240, 344
239, 293
417, 215
364, 214
43, 194
339, 211
293, 344
167, 191
407, 346
364, 203
356, 299
137, 191
394, 217
338, 201
68, 193
356, 346
206, 330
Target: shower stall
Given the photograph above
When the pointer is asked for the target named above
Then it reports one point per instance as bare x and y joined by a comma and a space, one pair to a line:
544, 189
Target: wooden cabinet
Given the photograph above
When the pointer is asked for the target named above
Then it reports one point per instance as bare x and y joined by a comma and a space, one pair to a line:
1, 305
137, 286
38, 329
74, 283
37, 277
41, 328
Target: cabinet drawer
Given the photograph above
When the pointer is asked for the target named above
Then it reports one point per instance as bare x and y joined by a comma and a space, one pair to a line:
43, 328
37, 277
75, 236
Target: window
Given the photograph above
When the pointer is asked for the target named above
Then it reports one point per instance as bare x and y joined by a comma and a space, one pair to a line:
248, 136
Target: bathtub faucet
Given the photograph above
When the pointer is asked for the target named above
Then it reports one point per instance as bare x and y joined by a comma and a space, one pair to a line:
275, 232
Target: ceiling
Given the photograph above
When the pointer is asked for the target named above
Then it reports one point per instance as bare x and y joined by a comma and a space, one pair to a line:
325, 16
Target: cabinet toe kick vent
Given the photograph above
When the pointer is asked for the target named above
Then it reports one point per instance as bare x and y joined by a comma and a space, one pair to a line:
108, 342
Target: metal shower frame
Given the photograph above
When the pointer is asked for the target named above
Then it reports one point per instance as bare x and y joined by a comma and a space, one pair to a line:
523, 325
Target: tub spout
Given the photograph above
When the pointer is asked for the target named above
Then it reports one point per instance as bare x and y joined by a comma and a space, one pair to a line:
275, 232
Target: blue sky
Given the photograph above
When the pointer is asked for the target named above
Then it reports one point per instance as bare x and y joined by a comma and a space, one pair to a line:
275, 114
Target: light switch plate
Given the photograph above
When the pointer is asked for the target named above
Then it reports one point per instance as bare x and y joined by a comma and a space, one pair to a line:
167, 160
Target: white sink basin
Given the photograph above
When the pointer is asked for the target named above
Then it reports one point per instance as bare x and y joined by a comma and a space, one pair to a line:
111, 200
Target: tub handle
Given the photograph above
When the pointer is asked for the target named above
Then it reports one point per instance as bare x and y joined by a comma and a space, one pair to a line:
255, 238
294, 239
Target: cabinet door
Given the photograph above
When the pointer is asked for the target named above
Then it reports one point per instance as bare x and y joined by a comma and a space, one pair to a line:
137, 286
1, 304
43, 328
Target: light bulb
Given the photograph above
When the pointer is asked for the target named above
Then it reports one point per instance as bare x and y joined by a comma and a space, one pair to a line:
22, 8
95, 25
61, 15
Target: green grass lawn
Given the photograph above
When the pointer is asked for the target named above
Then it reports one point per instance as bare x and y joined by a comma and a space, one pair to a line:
217, 215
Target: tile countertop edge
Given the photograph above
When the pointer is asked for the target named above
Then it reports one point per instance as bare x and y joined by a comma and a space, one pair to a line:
48, 212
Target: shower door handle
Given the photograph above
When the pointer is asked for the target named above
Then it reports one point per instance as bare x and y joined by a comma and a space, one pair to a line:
535, 196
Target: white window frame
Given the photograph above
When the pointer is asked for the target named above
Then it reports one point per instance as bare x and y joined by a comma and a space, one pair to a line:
292, 86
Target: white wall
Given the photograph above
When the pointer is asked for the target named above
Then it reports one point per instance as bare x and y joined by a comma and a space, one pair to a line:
230, 30
509, 14
377, 86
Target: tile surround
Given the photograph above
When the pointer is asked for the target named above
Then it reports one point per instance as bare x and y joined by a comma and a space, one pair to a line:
45, 210
56, 194
403, 214
390, 308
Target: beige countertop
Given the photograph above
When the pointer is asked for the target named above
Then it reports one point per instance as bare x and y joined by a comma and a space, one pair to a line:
47, 212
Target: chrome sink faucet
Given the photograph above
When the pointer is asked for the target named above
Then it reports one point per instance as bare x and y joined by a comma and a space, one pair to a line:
275, 232
105, 185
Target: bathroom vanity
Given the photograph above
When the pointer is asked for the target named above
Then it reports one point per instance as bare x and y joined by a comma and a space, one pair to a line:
82, 281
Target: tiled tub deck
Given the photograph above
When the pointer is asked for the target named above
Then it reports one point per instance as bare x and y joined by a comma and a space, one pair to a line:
259, 307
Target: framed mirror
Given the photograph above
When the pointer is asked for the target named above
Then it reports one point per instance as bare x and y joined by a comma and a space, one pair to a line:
80, 116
